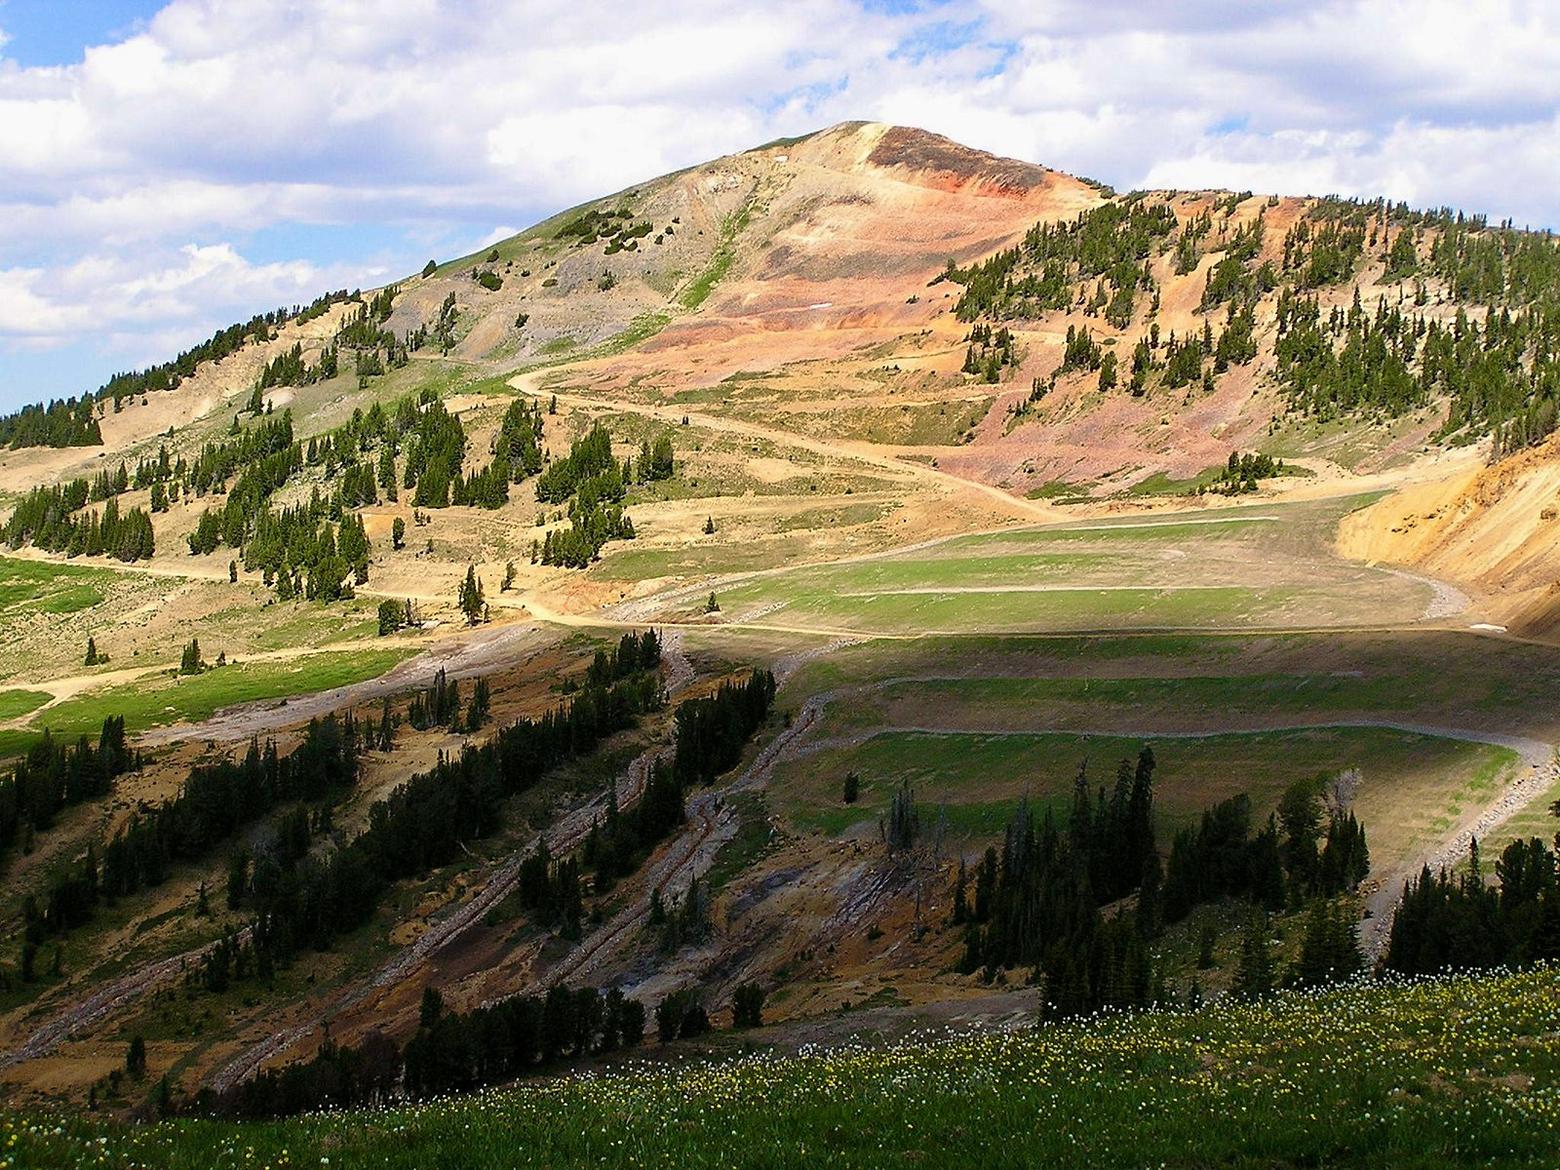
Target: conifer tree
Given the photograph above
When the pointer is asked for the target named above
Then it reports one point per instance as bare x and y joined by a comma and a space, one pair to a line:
135, 1058
1254, 977
470, 597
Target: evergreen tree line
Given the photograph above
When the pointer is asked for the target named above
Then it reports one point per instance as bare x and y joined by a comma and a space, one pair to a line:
633, 653
1449, 922
1280, 865
580, 544
1038, 903
67, 422
54, 775
683, 920
72, 422
1322, 249
451, 1052
105, 486
1188, 243
595, 485
298, 552
47, 517
989, 352
1501, 376
289, 369
439, 705
1504, 384
1198, 357
550, 891
262, 456
155, 470
363, 331
296, 549
519, 442
215, 801
1035, 906
1242, 472
655, 461
589, 455
435, 455
712, 731
488, 488
395, 615
423, 823
1499, 265
1110, 244
459, 1052
1233, 279
619, 842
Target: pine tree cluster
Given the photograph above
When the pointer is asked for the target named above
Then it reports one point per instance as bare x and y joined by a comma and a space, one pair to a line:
54, 775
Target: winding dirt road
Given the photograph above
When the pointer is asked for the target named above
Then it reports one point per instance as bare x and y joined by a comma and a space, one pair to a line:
871, 454
1537, 772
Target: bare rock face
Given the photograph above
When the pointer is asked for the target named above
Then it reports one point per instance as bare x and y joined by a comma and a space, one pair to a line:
941, 162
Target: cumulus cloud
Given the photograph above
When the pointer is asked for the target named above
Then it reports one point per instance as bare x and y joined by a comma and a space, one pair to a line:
153, 162
143, 307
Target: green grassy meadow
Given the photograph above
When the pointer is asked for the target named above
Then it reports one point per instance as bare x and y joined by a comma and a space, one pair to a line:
1013, 681
1412, 785
16, 703
1273, 569
36, 587
170, 698
1458, 1071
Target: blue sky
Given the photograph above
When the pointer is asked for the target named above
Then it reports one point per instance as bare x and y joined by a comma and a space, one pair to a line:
171, 167
54, 32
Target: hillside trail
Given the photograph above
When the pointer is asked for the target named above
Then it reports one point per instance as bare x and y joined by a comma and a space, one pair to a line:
907, 463
119, 994
462, 659
70, 686
712, 822
462, 654
844, 449
1537, 771
567, 834
1384, 892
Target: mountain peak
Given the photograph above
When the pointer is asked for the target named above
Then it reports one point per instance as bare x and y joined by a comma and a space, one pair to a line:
911, 154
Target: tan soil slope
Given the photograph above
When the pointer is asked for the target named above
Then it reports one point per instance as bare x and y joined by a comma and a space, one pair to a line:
846, 227
825, 236
141, 425
1495, 528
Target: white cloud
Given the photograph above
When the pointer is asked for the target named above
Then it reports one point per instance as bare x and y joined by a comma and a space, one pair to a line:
220, 118
24, 312
502, 232
106, 296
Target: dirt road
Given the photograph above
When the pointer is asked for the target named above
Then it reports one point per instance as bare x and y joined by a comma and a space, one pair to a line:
461, 655
849, 450
1538, 770
566, 834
